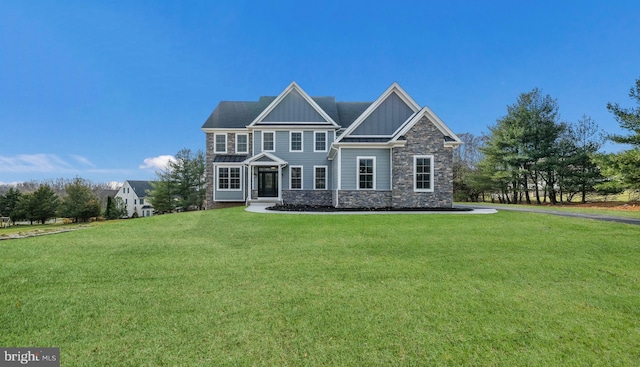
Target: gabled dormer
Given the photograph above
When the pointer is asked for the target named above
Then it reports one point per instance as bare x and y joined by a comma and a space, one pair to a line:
384, 117
293, 107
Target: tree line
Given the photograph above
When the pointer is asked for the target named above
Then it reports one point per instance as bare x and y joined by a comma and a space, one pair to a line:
77, 199
530, 155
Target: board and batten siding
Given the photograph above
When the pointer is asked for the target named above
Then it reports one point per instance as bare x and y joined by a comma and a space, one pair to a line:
293, 108
386, 119
349, 167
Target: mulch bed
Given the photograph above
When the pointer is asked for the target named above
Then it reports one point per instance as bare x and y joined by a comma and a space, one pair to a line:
329, 209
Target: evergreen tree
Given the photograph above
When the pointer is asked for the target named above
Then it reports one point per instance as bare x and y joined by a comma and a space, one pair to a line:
38, 206
181, 185
79, 203
9, 203
627, 162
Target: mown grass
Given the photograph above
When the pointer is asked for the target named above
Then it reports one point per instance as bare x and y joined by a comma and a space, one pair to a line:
233, 288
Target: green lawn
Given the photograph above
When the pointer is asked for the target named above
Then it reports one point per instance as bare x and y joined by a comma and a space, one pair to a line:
228, 287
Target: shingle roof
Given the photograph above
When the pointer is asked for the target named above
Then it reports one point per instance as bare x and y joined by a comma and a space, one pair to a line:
239, 114
141, 187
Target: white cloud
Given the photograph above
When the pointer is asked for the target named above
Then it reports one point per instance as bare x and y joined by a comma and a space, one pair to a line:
82, 160
160, 162
34, 163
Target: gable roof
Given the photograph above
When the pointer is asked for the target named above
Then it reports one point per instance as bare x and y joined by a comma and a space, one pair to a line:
141, 187
240, 114
293, 105
385, 116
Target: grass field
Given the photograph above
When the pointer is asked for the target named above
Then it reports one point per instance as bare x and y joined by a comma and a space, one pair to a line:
228, 287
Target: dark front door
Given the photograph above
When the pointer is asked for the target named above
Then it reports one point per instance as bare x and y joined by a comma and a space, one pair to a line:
267, 182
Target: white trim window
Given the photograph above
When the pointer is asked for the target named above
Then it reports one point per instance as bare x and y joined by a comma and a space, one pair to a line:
366, 173
319, 141
295, 177
423, 173
228, 179
319, 177
268, 141
295, 141
242, 143
220, 143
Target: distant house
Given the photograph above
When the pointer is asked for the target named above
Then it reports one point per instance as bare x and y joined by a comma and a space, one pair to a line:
297, 149
134, 194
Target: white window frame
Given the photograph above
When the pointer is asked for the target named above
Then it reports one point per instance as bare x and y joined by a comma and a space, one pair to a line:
358, 159
218, 168
291, 150
326, 143
244, 151
301, 177
215, 144
326, 169
273, 133
415, 174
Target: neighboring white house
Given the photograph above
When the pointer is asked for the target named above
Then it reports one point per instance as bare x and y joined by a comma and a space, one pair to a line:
134, 194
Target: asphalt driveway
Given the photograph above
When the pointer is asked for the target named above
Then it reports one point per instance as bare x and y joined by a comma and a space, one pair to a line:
606, 218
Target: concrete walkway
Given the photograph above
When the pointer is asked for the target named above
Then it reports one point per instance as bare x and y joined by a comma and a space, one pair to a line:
262, 208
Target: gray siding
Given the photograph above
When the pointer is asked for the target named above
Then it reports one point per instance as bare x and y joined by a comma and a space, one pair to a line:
292, 108
307, 158
386, 119
229, 195
349, 163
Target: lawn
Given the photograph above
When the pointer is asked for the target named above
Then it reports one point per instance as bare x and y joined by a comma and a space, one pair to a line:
227, 287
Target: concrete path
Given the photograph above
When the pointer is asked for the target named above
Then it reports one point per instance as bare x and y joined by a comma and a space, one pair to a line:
606, 218
262, 208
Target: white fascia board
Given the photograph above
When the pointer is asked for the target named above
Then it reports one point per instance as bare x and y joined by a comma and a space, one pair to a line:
274, 160
390, 144
394, 88
279, 99
292, 126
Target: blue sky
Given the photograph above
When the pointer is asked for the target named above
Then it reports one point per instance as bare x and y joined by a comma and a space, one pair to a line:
106, 90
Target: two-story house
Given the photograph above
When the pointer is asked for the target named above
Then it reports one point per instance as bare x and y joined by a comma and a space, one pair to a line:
134, 195
297, 149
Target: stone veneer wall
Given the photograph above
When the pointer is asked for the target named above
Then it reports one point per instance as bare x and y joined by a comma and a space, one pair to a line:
208, 171
307, 197
363, 199
423, 139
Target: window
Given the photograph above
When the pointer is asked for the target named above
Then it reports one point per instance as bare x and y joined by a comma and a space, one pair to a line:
141, 201
268, 141
366, 173
228, 178
242, 143
320, 177
135, 202
295, 178
295, 138
320, 141
220, 143
423, 173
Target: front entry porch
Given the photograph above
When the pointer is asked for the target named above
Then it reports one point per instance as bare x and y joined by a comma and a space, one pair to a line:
265, 172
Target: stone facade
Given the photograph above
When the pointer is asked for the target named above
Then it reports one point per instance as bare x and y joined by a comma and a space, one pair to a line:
208, 171
364, 199
210, 155
307, 197
423, 138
